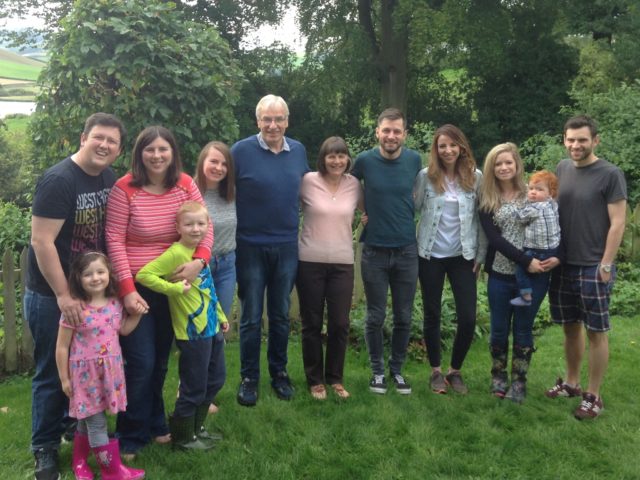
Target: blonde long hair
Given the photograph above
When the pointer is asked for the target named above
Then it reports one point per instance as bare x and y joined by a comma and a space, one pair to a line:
465, 167
490, 191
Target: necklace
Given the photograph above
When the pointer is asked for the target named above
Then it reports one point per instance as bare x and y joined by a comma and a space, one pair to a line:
333, 187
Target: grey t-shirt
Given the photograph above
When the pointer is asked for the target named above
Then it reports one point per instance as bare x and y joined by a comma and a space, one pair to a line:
583, 196
223, 216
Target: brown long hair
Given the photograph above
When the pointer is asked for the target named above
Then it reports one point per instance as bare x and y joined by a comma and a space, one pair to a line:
490, 191
465, 167
79, 265
227, 188
139, 174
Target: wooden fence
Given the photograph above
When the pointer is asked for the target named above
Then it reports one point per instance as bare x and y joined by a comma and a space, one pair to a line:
16, 354
16, 351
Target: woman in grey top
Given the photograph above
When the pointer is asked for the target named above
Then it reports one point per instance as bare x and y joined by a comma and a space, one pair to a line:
216, 180
503, 193
449, 241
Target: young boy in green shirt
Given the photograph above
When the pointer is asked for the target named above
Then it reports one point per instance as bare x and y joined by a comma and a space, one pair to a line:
198, 323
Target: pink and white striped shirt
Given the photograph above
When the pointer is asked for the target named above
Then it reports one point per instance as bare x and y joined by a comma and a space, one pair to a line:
141, 225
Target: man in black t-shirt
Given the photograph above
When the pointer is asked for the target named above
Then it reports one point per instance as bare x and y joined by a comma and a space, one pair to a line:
67, 220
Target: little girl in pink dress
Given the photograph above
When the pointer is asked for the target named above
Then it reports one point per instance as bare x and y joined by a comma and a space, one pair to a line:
90, 366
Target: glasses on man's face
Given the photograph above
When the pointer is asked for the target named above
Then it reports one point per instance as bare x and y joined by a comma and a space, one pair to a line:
269, 120
112, 142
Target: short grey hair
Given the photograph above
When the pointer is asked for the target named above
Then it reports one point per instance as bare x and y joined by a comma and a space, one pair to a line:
269, 101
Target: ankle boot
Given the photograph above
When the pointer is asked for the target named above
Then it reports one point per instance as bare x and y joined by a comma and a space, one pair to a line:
183, 435
499, 378
81, 451
519, 367
201, 415
111, 467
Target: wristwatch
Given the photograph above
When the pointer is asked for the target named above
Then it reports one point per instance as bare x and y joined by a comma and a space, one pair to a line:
606, 267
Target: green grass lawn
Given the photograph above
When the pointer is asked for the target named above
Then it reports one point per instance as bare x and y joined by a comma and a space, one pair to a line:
17, 124
393, 437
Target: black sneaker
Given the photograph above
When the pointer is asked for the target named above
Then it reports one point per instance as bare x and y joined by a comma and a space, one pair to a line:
378, 384
402, 387
248, 392
281, 384
46, 464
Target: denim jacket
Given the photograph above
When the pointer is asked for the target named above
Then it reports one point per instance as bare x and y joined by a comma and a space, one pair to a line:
430, 204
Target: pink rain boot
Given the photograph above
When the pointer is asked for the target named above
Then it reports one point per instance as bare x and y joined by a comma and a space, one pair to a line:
111, 467
79, 463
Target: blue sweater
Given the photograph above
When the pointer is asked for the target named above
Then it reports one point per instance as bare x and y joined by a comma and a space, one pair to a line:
267, 191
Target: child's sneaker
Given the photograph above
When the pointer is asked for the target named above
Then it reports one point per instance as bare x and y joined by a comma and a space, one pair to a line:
561, 389
590, 407
520, 302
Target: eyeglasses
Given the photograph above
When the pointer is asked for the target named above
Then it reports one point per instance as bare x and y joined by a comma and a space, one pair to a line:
112, 142
268, 120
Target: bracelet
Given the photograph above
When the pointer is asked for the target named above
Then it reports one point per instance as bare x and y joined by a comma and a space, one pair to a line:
204, 262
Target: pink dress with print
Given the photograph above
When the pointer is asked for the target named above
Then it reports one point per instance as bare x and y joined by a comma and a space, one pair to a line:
95, 362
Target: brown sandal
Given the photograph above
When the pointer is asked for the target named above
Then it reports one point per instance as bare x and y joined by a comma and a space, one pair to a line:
340, 391
318, 392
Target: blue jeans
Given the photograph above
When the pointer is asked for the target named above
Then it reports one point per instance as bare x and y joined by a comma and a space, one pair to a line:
384, 268
523, 278
223, 271
49, 405
505, 317
272, 268
146, 355
202, 373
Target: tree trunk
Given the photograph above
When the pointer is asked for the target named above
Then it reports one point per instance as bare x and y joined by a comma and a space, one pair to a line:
388, 52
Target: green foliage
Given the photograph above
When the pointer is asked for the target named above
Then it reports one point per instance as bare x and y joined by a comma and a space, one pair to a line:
619, 123
626, 290
142, 62
16, 228
17, 175
542, 152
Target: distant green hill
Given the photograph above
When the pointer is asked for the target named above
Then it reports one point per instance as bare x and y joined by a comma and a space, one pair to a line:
18, 67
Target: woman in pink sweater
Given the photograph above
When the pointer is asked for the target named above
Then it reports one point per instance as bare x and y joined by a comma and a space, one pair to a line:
140, 225
329, 198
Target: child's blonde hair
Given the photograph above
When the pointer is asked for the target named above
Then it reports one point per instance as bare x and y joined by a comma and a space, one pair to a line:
191, 206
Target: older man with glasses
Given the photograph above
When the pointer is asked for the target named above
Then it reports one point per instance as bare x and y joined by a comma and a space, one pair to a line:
269, 169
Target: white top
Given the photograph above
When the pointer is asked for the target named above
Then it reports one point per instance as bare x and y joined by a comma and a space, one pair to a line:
326, 235
447, 242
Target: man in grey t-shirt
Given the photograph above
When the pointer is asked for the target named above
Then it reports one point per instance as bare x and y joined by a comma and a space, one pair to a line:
592, 206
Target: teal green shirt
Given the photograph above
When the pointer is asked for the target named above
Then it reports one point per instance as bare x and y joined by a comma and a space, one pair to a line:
388, 197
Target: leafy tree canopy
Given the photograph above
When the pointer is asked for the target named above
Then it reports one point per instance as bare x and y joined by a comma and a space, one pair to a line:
143, 62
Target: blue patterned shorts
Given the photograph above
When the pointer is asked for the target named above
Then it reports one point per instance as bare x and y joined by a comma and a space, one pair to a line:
577, 294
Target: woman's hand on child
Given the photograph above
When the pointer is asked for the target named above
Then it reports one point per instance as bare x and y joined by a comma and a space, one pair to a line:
135, 304
187, 271
535, 266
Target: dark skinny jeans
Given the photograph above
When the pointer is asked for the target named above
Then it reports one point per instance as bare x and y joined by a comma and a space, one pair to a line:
463, 285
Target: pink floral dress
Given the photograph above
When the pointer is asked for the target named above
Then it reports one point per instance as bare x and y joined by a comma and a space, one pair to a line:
95, 362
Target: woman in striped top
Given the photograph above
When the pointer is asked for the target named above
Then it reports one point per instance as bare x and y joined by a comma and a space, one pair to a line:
140, 225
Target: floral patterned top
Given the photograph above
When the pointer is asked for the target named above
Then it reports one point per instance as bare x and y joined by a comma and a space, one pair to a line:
95, 362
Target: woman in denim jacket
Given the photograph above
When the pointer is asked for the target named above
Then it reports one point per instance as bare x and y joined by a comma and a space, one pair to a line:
450, 243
